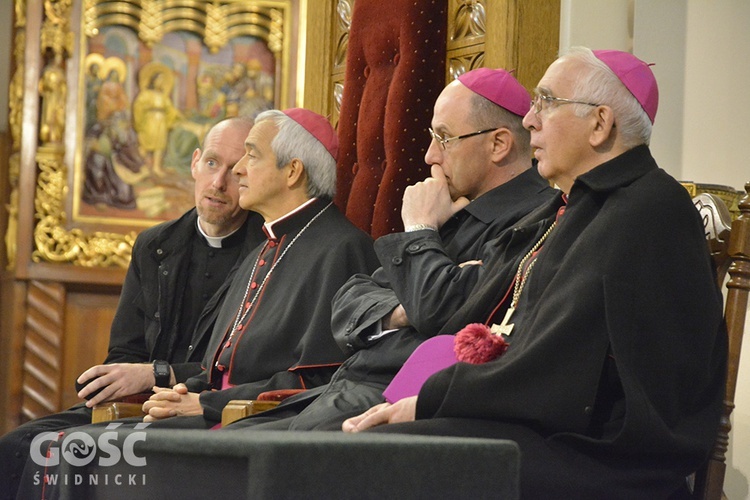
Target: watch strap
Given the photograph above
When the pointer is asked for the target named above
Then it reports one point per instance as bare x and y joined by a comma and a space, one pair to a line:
162, 373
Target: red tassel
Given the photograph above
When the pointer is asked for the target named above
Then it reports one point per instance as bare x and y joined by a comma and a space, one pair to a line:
476, 344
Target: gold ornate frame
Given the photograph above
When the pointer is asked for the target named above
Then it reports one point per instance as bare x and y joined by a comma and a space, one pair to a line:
217, 22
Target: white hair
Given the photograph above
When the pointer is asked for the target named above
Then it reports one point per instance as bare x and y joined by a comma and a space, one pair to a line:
601, 85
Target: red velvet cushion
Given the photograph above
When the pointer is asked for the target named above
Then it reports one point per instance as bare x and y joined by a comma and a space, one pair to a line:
395, 69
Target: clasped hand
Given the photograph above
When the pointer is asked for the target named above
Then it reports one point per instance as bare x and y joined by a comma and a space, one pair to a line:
173, 402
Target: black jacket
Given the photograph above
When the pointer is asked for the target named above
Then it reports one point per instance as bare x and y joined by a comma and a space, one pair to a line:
147, 317
287, 341
428, 290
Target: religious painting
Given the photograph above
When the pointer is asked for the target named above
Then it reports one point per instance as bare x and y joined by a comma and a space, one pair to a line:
145, 104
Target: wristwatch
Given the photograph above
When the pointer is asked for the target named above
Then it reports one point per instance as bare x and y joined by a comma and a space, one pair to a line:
162, 373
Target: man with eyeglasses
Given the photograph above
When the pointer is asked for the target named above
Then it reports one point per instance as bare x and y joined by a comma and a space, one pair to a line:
482, 182
613, 376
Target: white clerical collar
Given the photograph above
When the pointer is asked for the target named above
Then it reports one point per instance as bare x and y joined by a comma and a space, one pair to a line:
213, 241
269, 225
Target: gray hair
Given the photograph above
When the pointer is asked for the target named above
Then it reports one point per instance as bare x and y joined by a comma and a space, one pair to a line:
601, 85
293, 141
486, 114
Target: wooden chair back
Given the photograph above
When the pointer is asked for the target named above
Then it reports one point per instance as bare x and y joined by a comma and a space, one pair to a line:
731, 253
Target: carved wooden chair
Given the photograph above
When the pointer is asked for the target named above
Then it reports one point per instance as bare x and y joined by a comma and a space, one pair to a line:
129, 406
731, 253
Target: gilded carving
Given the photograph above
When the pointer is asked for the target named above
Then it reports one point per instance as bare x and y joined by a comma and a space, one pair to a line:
57, 37
56, 244
344, 20
11, 232
344, 14
466, 37
216, 27
15, 119
217, 22
339, 57
338, 96
20, 13
90, 16
151, 28
53, 89
276, 31
58, 12
15, 94
344, 10
56, 34
53, 242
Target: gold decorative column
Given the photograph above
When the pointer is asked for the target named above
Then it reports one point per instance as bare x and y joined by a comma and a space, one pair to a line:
15, 118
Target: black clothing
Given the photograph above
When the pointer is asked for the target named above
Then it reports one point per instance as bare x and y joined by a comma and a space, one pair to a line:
152, 321
148, 315
285, 341
613, 382
429, 292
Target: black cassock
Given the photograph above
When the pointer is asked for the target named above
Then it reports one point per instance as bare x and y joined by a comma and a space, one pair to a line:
613, 382
428, 283
284, 341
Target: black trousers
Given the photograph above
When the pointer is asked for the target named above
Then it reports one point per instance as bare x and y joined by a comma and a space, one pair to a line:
15, 446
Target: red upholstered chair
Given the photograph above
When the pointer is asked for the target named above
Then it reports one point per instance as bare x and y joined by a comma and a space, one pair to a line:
395, 70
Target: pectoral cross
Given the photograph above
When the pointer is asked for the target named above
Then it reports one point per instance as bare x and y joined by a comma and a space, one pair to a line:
504, 328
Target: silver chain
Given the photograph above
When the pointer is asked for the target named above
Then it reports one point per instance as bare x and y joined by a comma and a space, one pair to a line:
244, 311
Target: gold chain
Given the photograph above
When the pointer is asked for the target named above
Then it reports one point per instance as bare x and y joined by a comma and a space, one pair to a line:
521, 274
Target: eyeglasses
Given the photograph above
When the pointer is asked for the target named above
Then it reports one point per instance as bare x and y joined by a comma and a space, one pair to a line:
537, 103
442, 140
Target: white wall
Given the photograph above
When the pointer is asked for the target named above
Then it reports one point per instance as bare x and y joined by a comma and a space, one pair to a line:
700, 50
717, 101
